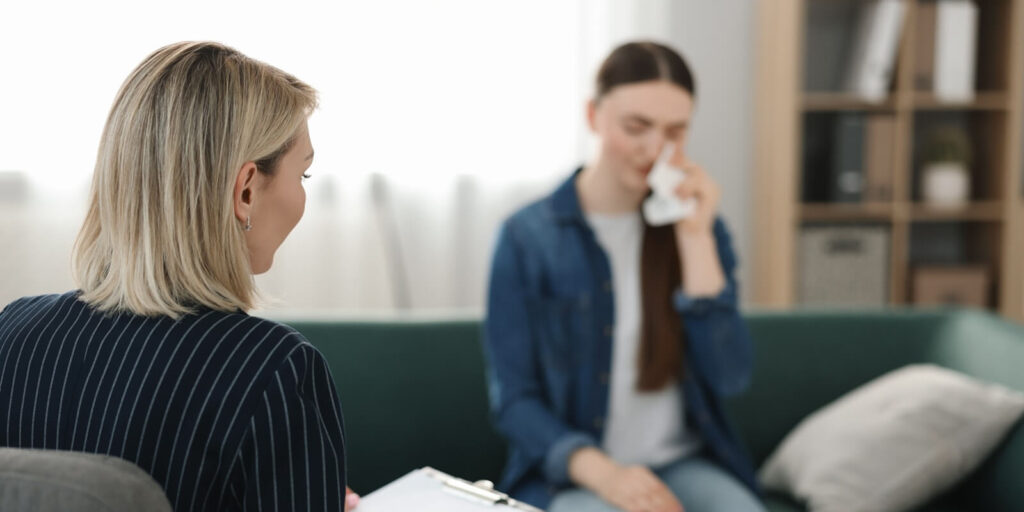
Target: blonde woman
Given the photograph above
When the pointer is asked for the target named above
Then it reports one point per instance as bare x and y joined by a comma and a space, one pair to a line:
197, 183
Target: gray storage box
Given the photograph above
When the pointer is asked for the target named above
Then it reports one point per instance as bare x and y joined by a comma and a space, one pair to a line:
844, 266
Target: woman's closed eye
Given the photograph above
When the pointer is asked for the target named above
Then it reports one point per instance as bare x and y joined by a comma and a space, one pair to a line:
634, 128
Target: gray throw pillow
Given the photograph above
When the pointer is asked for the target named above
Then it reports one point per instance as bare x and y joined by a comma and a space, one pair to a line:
894, 443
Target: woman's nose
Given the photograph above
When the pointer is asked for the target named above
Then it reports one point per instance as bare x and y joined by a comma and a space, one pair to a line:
652, 146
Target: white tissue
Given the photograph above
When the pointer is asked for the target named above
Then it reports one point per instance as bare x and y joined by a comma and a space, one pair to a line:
663, 206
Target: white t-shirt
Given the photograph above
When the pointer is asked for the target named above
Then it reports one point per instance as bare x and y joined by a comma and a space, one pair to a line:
642, 427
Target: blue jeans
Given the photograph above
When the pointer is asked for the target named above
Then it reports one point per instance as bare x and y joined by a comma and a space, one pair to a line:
700, 485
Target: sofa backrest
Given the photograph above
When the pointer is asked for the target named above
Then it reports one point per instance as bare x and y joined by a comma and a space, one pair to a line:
986, 347
413, 394
804, 361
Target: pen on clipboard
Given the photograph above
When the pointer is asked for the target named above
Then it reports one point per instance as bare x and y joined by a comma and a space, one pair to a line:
481, 490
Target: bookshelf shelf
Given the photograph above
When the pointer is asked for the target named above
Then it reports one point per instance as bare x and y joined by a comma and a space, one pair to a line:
983, 101
846, 212
804, 149
885, 212
838, 102
974, 212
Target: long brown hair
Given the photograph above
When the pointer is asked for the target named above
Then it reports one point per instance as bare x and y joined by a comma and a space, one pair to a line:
662, 341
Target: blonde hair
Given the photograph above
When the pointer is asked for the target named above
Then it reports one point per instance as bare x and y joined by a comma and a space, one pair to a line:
160, 236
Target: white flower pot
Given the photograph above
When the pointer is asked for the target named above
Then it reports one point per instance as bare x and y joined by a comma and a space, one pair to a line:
945, 184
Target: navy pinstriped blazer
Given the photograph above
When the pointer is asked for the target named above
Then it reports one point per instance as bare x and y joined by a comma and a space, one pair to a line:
224, 410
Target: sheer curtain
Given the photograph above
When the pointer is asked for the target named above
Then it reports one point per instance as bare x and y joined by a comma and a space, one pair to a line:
437, 120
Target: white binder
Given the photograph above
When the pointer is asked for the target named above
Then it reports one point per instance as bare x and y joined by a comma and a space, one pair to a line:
429, 490
875, 48
956, 37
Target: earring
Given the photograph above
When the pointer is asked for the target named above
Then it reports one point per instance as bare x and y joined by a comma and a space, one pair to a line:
248, 224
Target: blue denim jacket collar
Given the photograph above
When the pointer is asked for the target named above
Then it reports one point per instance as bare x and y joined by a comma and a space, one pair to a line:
565, 201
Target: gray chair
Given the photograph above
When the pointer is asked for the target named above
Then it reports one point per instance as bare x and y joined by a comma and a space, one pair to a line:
51, 481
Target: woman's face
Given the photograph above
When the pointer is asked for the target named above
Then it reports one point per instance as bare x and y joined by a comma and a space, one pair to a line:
278, 202
633, 122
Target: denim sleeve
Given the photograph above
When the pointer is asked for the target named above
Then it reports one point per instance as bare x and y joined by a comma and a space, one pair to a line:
718, 342
516, 389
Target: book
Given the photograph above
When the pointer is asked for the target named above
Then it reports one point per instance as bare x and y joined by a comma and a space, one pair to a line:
847, 183
878, 158
875, 47
828, 37
816, 160
956, 38
924, 46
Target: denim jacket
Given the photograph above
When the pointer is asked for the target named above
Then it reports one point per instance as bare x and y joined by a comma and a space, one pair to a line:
548, 344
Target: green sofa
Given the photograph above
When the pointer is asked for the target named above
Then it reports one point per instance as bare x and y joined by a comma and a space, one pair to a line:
413, 391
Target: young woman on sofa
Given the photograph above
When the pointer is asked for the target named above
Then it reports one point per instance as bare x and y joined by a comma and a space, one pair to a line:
197, 183
611, 342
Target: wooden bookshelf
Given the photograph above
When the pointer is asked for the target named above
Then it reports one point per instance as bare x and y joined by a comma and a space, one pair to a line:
989, 228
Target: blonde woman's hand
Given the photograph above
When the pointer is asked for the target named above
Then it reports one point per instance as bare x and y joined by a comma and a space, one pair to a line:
351, 500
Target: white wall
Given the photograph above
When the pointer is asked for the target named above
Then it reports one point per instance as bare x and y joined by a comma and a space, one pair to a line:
446, 210
718, 39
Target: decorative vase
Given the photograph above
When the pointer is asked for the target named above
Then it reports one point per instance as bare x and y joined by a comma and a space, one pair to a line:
945, 184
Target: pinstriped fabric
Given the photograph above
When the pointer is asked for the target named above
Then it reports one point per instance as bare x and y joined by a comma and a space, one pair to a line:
225, 411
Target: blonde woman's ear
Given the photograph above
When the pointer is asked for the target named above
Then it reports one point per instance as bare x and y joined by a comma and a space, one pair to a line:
245, 184
592, 115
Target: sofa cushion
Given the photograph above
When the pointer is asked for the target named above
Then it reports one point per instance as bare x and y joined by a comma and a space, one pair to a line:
894, 443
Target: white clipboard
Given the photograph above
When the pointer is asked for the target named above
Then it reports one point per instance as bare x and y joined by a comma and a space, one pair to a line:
430, 490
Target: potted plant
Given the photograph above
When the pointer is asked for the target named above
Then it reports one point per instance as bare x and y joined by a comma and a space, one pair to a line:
945, 174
